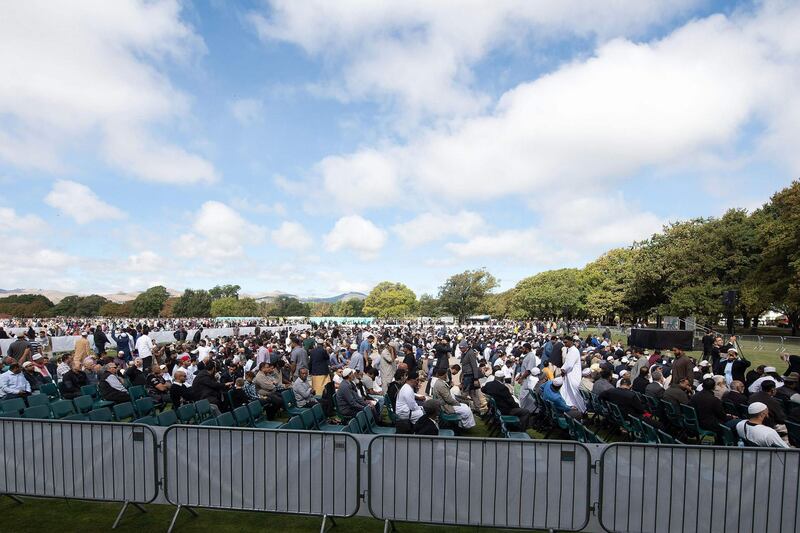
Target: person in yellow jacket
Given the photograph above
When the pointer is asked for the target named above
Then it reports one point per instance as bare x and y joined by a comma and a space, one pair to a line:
82, 348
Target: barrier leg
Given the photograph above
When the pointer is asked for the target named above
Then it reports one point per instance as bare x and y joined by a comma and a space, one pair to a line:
325, 519
388, 527
12, 497
175, 516
119, 516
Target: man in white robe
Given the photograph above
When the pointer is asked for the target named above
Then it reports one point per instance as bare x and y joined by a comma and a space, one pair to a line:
572, 374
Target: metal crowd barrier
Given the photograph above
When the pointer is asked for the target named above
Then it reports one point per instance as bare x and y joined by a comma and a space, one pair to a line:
657, 488
480, 482
294, 472
79, 460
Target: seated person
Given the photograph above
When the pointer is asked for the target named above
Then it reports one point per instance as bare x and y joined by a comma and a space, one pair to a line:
428, 423
505, 402
440, 390
755, 432
110, 387
303, 392
551, 392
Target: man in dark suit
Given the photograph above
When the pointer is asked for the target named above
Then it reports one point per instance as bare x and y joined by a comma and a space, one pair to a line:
556, 357
708, 342
427, 424
624, 398
710, 413
505, 402
733, 367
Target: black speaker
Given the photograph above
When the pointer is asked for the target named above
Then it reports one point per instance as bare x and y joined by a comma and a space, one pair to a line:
661, 339
729, 298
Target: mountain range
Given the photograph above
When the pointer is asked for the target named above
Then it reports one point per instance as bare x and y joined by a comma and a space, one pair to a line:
56, 296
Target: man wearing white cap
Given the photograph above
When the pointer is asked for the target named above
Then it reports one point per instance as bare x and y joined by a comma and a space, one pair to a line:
754, 430
770, 374
571, 372
551, 392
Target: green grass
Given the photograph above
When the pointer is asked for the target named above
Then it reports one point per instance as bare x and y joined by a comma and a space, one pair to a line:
36, 515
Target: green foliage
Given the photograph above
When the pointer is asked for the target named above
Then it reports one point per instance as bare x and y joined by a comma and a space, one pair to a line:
285, 306
224, 291
321, 309
390, 300
79, 306
28, 305
555, 293
428, 306
463, 294
150, 302
193, 304
606, 280
351, 307
112, 309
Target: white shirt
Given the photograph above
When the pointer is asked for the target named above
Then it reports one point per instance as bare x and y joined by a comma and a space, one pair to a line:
203, 353
407, 406
756, 386
11, 383
144, 345
760, 434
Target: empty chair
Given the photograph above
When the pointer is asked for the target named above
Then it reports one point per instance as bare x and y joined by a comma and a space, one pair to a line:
136, 392
38, 399
363, 425
37, 411
294, 423
51, 390
258, 419
242, 416
186, 413
450, 433
77, 417
308, 419
226, 420
167, 418
147, 420
352, 427
321, 421
123, 411
144, 407
83, 404
101, 415
203, 409
62, 408
91, 390
209, 422
14, 405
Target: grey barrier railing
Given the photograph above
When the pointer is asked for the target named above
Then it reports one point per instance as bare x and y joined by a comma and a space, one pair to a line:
79, 460
294, 472
480, 482
657, 488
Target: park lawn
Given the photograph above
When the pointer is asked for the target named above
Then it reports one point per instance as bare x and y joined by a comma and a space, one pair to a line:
66, 516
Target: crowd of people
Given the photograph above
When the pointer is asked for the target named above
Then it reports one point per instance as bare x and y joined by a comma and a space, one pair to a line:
421, 371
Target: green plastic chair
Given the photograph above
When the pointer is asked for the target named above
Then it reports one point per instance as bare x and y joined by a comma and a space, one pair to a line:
242, 416
167, 418
794, 433
389, 409
39, 412
77, 417
666, 438
38, 399
309, 422
226, 420
692, 426
673, 413
62, 408
352, 427
729, 438
294, 423
147, 420
83, 404
258, 419
638, 429
447, 433
51, 390
209, 422
91, 390
363, 425
203, 409
290, 403
136, 392
14, 405
650, 433
144, 407
124, 411
513, 435
186, 413
101, 415
374, 428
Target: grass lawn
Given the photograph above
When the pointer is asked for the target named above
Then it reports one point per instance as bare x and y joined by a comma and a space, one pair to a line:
37, 515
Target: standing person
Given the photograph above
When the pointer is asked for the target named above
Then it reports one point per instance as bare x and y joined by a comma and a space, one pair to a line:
124, 344
471, 373
320, 363
572, 374
81, 348
733, 367
387, 367
19, 349
682, 366
144, 346
557, 353
715, 354
410, 359
708, 342
100, 341
298, 357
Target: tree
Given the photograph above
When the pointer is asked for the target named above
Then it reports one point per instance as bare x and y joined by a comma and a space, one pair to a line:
90, 305
224, 291
390, 300
286, 306
150, 302
550, 294
27, 305
777, 275
463, 294
349, 307
193, 304
606, 281
111, 309
231, 306
321, 309
428, 306
500, 305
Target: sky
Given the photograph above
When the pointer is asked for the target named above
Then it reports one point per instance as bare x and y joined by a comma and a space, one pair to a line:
317, 147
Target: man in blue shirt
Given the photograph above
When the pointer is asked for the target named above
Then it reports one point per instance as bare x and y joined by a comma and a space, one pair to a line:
551, 392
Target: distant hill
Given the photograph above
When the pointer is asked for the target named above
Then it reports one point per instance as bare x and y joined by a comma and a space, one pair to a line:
56, 296
335, 299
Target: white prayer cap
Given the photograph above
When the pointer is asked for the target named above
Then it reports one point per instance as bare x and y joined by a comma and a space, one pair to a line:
586, 372
704, 363
354, 346
756, 407
769, 369
696, 369
347, 371
625, 359
536, 371
558, 382
708, 376
499, 373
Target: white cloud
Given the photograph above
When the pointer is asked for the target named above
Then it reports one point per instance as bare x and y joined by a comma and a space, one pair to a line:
84, 72
292, 235
429, 227
80, 203
219, 233
145, 261
246, 110
356, 234
364, 178
508, 244
689, 96
419, 54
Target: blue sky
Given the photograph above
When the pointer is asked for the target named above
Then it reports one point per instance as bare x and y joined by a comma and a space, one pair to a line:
320, 147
